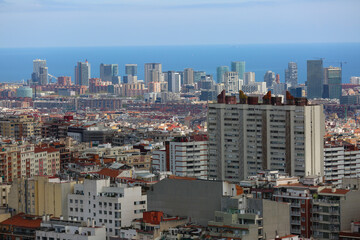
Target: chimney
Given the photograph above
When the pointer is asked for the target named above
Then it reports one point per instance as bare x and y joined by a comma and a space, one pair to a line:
333, 189
43, 218
61, 217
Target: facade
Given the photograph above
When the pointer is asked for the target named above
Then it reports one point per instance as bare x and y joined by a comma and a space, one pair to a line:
220, 72
17, 126
249, 77
152, 72
291, 74
108, 71
247, 137
82, 73
24, 92
238, 67
198, 75
69, 230
64, 81
131, 69
188, 76
332, 82
183, 157
232, 82
174, 81
315, 78
113, 206
341, 162
333, 211
40, 72
269, 78
4, 194
20, 227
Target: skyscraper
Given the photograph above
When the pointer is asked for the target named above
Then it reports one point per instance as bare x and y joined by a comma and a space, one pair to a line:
232, 82
152, 72
82, 73
245, 137
198, 75
188, 76
249, 77
291, 74
220, 71
332, 79
108, 71
238, 67
131, 69
39, 70
269, 78
315, 78
174, 81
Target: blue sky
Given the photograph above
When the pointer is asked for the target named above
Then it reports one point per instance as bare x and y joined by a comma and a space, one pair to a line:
44, 23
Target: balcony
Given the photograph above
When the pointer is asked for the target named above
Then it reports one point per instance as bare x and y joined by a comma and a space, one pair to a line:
295, 230
295, 213
295, 222
325, 202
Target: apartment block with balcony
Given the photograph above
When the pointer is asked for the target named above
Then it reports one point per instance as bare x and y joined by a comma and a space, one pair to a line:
112, 205
333, 210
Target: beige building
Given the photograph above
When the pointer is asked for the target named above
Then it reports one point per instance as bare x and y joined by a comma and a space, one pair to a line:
247, 137
41, 195
4, 194
17, 126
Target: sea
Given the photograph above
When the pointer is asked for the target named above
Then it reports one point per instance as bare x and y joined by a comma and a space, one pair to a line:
16, 63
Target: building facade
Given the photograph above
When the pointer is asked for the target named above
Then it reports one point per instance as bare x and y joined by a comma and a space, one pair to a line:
315, 78
82, 73
238, 67
291, 74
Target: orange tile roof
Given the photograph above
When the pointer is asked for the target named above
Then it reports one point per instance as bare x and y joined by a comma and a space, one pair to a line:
182, 178
109, 172
337, 191
23, 220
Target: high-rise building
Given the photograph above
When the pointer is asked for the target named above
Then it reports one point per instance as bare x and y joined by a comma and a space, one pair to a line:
82, 73
174, 81
64, 81
315, 78
108, 71
269, 78
247, 137
291, 74
249, 77
198, 75
220, 72
232, 82
39, 70
238, 67
188, 76
152, 73
131, 69
332, 83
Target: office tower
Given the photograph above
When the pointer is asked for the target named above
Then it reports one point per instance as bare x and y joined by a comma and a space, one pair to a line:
277, 78
238, 67
108, 71
249, 77
315, 78
247, 137
174, 81
131, 69
64, 81
198, 75
269, 78
332, 82
355, 80
291, 74
232, 82
188, 76
39, 71
220, 71
82, 73
152, 72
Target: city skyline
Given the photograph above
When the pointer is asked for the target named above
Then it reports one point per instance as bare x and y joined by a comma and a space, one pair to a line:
305, 22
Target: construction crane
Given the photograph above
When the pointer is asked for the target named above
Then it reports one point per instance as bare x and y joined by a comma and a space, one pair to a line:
50, 77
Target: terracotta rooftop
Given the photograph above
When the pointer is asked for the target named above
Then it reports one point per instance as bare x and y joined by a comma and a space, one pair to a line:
337, 191
109, 172
23, 220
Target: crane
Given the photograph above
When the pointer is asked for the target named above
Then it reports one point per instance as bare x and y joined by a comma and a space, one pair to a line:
51, 76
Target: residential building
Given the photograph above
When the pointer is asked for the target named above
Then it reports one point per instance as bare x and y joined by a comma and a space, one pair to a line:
52, 228
291, 74
174, 81
352, 233
333, 211
220, 72
108, 71
20, 227
41, 195
188, 197
114, 206
255, 87
238, 67
183, 157
355, 80
64, 81
4, 194
82, 73
247, 137
188, 76
315, 78
17, 126
249, 77
232, 82
40, 72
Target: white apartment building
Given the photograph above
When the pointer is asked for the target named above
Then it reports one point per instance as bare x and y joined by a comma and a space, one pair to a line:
245, 138
114, 206
69, 230
232, 82
183, 157
340, 163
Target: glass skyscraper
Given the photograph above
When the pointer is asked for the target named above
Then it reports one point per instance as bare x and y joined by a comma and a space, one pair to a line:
238, 67
333, 75
220, 71
315, 78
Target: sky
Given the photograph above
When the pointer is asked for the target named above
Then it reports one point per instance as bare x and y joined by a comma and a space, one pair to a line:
64, 23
